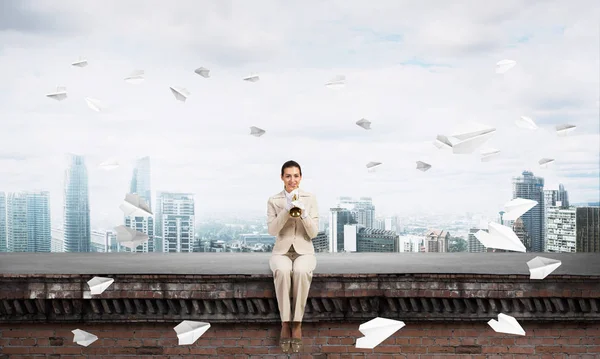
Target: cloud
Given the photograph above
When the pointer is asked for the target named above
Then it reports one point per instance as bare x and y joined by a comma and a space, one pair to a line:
414, 71
24, 16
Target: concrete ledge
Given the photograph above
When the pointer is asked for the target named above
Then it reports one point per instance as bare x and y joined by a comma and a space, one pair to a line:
577, 264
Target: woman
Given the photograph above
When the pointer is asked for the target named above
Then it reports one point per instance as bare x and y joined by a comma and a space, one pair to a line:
293, 259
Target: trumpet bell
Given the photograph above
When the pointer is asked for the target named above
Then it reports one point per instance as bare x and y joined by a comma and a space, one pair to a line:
295, 212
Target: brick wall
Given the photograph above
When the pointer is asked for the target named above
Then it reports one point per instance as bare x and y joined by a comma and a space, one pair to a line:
418, 340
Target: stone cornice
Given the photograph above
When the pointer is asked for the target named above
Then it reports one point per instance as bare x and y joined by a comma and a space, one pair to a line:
333, 297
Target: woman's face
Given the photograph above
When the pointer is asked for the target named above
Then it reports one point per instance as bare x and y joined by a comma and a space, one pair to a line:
291, 178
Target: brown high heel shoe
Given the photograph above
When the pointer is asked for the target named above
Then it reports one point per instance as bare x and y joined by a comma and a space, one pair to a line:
296, 345
284, 344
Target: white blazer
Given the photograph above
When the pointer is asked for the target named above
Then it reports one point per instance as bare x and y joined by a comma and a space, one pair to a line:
290, 230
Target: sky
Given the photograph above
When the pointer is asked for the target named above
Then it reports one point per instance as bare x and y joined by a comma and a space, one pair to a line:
414, 69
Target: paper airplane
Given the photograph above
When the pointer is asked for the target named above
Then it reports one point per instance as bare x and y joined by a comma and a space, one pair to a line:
506, 324
422, 166
257, 132
83, 338
500, 237
373, 164
109, 165
489, 154
337, 82
545, 162
364, 123
563, 130
135, 206
377, 330
189, 331
465, 142
136, 77
541, 267
526, 122
130, 238
99, 284
180, 93
80, 63
94, 104
504, 65
442, 142
251, 78
202, 71
517, 207
60, 93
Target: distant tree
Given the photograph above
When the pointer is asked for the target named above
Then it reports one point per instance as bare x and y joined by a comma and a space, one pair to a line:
457, 244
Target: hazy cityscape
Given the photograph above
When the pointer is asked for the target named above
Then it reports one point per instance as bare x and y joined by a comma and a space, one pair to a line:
554, 224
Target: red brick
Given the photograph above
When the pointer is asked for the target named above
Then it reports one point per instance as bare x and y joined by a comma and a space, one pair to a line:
419, 340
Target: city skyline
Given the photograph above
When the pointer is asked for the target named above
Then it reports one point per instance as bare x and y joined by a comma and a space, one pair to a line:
139, 181
414, 78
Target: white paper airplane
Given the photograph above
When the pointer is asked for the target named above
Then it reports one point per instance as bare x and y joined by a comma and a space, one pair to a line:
135, 206
377, 330
136, 77
526, 122
500, 237
99, 284
504, 65
465, 142
189, 331
337, 82
60, 93
364, 123
252, 78
257, 132
517, 207
373, 164
506, 324
442, 142
94, 104
564, 130
80, 63
422, 166
489, 154
83, 338
180, 93
541, 267
202, 71
130, 238
545, 162
109, 165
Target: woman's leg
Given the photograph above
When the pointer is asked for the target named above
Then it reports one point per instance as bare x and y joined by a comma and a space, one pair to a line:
281, 265
302, 272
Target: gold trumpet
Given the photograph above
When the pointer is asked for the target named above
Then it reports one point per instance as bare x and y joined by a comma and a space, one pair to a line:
295, 211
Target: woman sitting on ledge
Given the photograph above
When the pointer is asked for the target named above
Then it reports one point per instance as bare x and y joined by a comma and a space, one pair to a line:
293, 217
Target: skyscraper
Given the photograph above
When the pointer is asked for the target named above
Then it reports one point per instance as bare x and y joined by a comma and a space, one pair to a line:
563, 196
140, 185
473, 244
175, 219
561, 229
531, 187
28, 222
338, 219
140, 181
3, 245
362, 210
16, 222
76, 207
588, 229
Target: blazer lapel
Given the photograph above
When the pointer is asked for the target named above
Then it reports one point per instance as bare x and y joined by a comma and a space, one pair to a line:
280, 199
